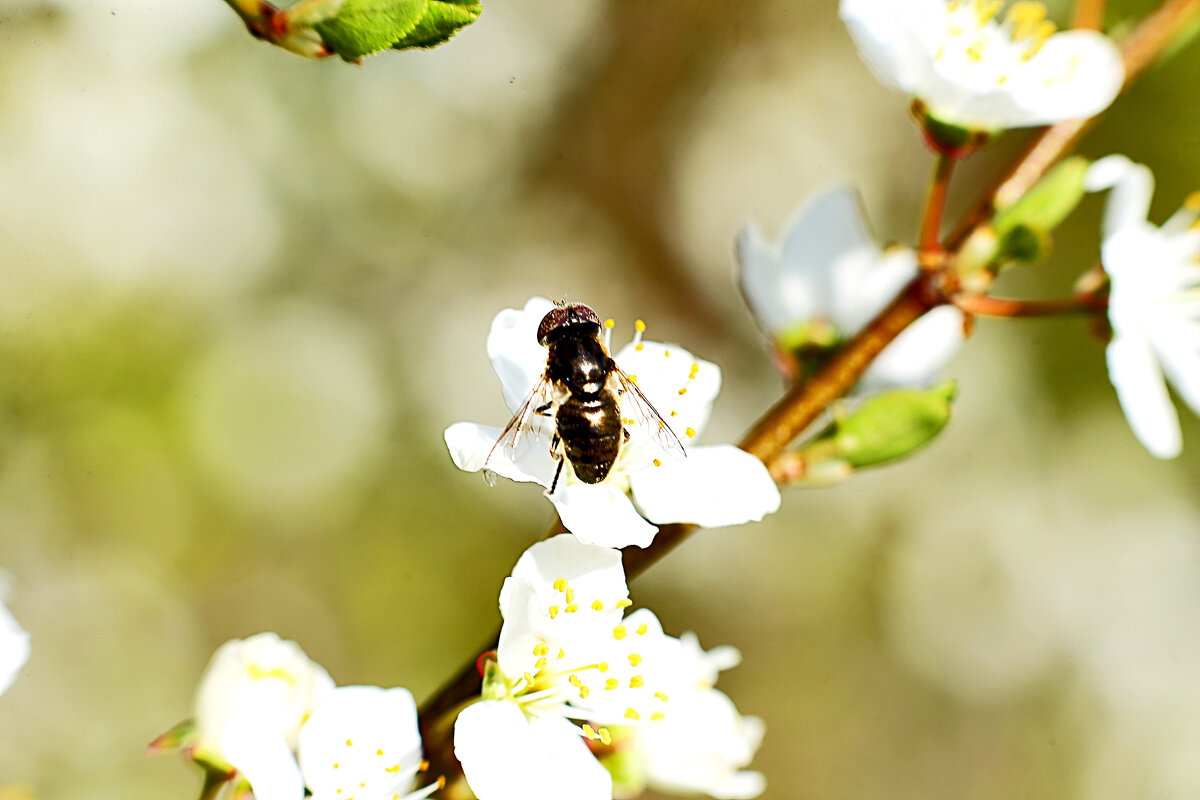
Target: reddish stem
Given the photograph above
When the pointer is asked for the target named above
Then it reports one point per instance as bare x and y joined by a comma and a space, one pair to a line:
987, 306
935, 206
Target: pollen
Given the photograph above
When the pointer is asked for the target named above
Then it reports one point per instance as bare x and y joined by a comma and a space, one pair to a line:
611, 683
393, 769
589, 731
379, 752
570, 595
560, 584
539, 664
666, 353
631, 714
571, 609
619, 632
605, 736
336, 765
553, 611
639, 326
674, 413
633, 378
349, 743
690, 432
661, 696
561, 654
541, 649
639, 347
658, 715
610, 323
695, 369
634, 659
597, 605
657, 463
641, 629
624, 602
574, 680
636, 682
683, 390
528, 678
603, 667
584, 692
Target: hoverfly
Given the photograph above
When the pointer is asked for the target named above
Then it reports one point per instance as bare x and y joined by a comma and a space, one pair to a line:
581, 389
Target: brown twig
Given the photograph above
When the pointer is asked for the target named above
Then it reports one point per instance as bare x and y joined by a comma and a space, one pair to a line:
930, 238
1088, 14
988, 306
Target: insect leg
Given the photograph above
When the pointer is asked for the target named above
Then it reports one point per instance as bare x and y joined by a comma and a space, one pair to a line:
557, 473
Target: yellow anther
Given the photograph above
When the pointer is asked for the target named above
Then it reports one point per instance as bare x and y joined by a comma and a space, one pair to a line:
603, 667
695, 368
379, 752
571, 609
349, 743
661, 696
561, 653
641, 629
553, 611
631, 714
658, 715
574, 680
539, 664
674, 413
639, 326
1192, 202
584, 692
689, 432
528, 678
611, 683
634, 659
560, 584
393, 769
339, 791
605, 736
639, 346
597, 605
624, 603
610, 323
619, 632
683, 390
589, 731
541, 649
441, 782
657, 463
666, 353
975, 50
633, 379
636, 682
336, 765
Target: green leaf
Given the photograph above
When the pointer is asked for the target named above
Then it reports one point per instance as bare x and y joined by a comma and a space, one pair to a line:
892, 425
307, 13
363, 27
440, 23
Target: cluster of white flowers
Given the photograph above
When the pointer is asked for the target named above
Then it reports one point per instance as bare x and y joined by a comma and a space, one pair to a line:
578, 688
274, 721
713, 485
14, 642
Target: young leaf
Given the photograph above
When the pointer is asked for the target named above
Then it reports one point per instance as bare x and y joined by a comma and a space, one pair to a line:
443, 19
363, 27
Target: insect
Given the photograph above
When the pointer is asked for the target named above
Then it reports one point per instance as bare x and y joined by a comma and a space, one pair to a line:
581, 389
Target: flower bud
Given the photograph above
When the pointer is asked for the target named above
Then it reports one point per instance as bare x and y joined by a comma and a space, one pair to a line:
891, 425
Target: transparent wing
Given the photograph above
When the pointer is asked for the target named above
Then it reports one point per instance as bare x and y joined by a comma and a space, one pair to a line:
542, 396
646, 415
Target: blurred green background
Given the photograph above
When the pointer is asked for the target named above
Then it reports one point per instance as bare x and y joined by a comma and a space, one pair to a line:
242, 294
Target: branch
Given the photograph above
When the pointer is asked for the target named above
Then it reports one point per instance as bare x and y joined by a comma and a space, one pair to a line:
987, 306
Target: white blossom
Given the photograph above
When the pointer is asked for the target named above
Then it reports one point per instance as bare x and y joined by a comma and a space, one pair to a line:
1154, 303
703, 745
713, 485
14, 642
976, 70
827, 279
363, 742
566, 652
252, 700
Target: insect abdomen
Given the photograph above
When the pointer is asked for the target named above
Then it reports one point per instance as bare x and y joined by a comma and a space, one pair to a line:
591, 433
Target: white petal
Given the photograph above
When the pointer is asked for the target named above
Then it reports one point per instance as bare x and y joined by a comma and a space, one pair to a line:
1132, 187
1075, 75
1136, 376
469, 445
865, 282
601, 514
264, 758
1182, 367
759, 279
14, 643
362, 741
506, 757
680, 386
889, 48
918, 353
512, 345
596, 570
716, 485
